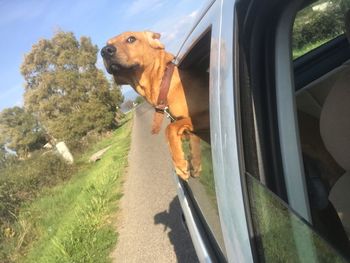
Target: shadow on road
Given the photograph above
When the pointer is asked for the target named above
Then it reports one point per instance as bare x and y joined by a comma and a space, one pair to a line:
177, 234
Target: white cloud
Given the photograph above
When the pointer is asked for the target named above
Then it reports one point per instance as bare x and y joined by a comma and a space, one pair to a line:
11, 96
175, 29
18, 88
19, 103
178, 28
193, 14
139, 6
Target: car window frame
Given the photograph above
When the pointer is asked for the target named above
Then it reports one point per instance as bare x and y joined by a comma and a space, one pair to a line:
230, 201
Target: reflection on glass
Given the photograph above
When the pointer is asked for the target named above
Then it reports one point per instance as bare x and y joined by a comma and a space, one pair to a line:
282, 236
317, 24
202, 185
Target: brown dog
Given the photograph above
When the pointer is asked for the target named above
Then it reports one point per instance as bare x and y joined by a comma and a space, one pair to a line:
139, 60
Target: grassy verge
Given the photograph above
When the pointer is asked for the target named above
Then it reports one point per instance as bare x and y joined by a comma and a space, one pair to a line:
302, 51
72, 222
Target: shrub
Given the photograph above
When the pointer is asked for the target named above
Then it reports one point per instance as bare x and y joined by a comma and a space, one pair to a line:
22, 180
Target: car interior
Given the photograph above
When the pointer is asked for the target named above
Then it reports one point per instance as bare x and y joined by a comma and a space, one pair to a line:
322, 97
280, 111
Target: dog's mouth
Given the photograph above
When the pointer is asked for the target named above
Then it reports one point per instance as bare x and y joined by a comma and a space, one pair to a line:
116, 68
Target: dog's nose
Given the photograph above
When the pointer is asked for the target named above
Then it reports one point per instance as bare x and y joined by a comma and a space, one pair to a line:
108, 51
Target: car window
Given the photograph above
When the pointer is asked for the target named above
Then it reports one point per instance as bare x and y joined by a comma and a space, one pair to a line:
283, 236
317, 24
289, 222
324, 174
203, 192
201, 188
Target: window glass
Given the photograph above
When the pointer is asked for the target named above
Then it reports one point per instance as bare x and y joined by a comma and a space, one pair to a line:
314, 25
317, 24
281, 235
203, 190
201, 186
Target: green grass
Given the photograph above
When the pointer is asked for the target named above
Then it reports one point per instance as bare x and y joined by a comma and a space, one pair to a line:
207, 175
302, 51
73, 222
281, 235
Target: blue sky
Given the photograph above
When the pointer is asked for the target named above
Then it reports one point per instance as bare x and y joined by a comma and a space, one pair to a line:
24, 22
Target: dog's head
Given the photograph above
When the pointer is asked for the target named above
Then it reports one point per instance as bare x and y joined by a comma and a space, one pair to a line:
130, 52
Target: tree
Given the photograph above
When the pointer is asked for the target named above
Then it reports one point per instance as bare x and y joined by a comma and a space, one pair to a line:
139, 99
2, 155
20, 131
128, 105
65, 89
319, 25
116, 92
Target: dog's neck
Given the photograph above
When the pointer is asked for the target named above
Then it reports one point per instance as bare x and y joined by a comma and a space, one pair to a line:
148, 81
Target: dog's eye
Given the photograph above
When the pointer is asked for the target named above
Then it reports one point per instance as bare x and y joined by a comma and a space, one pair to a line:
131, 39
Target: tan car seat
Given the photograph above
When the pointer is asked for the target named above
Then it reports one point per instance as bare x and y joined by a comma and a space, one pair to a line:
335, 132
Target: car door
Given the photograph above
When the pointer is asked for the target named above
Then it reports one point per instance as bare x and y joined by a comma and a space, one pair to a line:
251, 203
213, 203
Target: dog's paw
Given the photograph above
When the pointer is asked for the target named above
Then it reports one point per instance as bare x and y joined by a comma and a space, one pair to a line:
184, 174
196, 171
184, 128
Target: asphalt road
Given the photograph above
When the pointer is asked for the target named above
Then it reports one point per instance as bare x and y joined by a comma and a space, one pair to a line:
149, 224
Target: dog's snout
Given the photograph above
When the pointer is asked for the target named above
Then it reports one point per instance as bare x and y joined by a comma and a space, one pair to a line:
108, 51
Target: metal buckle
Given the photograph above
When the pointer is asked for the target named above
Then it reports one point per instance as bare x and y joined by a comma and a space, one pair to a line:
168, 115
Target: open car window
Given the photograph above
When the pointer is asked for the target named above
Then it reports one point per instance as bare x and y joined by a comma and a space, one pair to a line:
201, 187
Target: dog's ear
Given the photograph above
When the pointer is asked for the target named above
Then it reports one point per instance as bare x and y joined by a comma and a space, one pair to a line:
153, 40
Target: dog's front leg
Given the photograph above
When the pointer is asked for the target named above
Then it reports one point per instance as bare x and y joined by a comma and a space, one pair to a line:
174, 133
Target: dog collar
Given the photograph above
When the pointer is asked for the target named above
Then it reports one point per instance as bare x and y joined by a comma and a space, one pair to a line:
162, 103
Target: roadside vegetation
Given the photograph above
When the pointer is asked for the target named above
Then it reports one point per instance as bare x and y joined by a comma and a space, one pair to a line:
317, 24
65, 215
73, 222
53, 210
